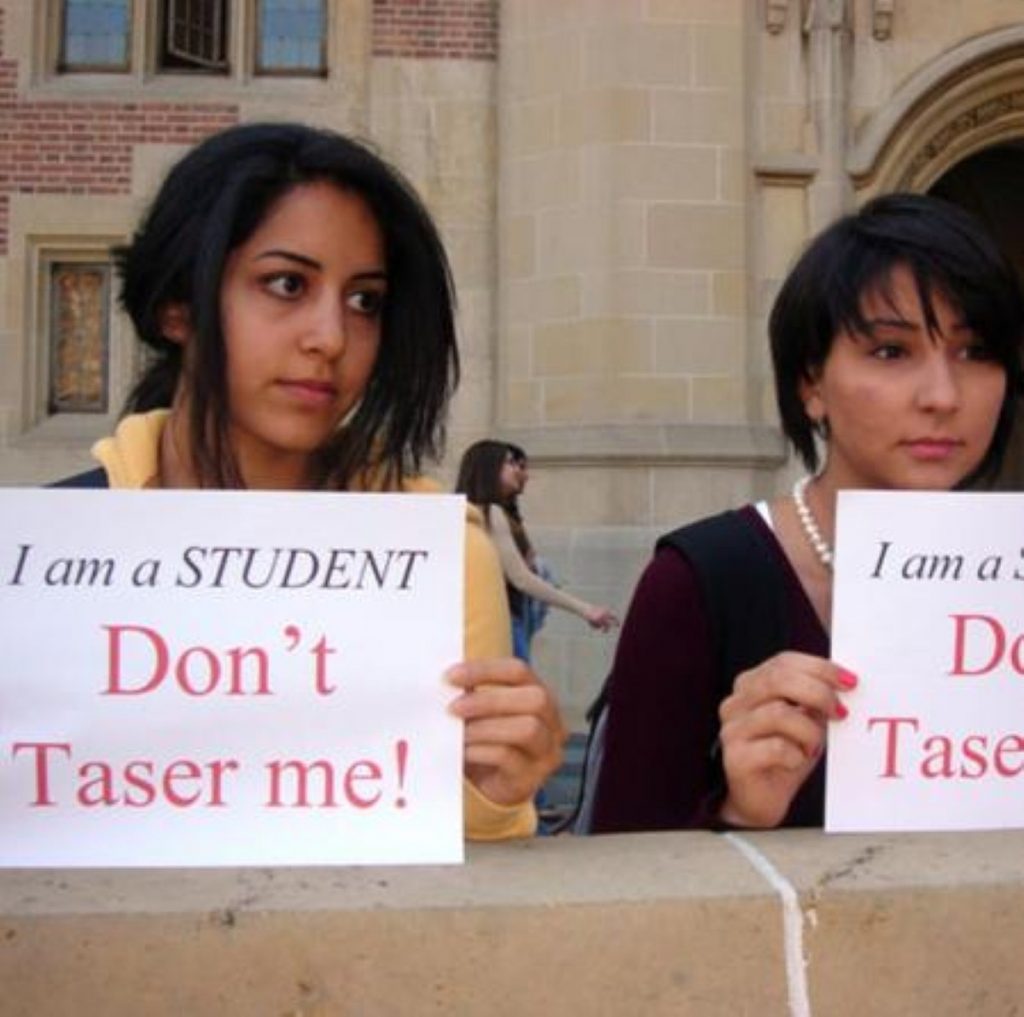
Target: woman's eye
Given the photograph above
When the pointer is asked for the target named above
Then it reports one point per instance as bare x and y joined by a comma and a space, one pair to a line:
367, 302
285, 284
977, 351
887, 351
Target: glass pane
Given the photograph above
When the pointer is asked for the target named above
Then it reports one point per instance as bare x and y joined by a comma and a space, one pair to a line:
291, 36
96, 33
79, 342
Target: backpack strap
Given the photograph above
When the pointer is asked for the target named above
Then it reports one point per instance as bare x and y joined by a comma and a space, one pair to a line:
90, 478
743, 591
745, 599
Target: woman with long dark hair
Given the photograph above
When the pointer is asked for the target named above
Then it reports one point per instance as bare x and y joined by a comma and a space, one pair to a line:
297, 306
490, 476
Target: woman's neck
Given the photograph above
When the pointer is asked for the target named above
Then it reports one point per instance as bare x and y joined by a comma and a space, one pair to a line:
257, 473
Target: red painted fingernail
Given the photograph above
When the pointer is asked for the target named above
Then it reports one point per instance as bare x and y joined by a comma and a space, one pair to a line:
847, 679
841, 712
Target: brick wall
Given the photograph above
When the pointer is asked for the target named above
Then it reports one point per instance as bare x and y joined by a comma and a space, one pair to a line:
85, 147
444, 29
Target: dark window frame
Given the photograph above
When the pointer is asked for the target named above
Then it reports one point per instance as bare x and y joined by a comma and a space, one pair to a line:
194, 37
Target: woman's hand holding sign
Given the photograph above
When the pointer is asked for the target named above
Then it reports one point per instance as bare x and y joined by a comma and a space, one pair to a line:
513, 728
773, 731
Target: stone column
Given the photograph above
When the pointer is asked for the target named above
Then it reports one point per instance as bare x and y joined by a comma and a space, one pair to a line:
829, 40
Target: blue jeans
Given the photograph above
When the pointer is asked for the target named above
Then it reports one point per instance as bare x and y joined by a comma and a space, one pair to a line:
521, 638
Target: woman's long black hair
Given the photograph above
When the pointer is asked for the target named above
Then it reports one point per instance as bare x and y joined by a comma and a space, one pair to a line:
211, 202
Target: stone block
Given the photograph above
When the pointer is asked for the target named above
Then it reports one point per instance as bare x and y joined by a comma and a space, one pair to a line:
649, 292
683, 494
596, 400
718, 56
522, 402
514, 351
542, 181
784, 228
699, 346
720, 399
734, 176
709, 237
637, 54
665, 172
721, 12
472, 255
592, 348
541, 300
589, 496
465, 136
605, 116
518, 253
530, 127
729, 294
706, 116
572, 238
782, 126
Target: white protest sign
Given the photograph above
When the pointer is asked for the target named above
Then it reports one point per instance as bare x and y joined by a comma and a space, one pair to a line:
229, 678
928, 611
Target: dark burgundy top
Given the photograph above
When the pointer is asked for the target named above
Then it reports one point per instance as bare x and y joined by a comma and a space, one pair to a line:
659, 770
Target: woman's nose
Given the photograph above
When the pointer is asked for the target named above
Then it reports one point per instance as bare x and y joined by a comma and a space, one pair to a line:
939, 387
326, 331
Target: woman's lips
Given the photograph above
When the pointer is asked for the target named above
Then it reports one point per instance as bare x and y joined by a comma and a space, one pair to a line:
313, 393
932, 449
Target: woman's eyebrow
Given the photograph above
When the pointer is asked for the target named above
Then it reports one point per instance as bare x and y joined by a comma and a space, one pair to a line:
882, 322
303, 259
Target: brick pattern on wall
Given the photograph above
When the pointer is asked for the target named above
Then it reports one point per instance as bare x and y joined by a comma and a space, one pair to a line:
85, 148
436, 29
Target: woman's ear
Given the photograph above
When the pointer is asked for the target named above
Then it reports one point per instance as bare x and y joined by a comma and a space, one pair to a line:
812, 398
176, 323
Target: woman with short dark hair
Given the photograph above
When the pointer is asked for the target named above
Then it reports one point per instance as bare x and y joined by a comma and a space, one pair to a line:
896, 344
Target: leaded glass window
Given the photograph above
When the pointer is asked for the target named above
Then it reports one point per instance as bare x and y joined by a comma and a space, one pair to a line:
79, 338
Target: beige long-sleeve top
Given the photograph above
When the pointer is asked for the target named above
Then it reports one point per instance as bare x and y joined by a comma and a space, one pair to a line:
520, 575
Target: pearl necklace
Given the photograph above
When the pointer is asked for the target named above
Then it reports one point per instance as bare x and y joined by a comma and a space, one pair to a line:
812, 531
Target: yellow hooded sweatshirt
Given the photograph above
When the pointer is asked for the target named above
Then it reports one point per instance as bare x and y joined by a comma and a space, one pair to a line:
131, 459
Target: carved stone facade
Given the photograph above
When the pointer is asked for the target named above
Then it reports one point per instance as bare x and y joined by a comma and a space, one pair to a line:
622, 187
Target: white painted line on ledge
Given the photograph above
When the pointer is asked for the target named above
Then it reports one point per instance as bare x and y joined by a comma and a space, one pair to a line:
792, 926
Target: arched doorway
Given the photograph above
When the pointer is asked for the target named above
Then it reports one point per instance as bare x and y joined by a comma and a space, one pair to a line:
989, 184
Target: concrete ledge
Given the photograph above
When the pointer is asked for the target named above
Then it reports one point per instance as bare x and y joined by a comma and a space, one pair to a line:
644, 924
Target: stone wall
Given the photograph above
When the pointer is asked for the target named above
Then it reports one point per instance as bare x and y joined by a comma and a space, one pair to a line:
783, 924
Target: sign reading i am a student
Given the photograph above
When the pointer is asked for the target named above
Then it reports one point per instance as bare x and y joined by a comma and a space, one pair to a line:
229, 678
928, 611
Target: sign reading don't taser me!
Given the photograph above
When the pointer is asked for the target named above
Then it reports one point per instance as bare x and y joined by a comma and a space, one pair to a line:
928, 611
228, 678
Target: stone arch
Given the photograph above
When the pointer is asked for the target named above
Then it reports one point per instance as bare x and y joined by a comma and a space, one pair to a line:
968, 99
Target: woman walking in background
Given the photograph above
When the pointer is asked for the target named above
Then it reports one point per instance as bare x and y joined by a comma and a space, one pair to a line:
492, 475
